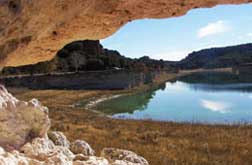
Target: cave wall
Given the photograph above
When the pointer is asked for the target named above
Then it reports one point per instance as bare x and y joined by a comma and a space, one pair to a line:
34, 30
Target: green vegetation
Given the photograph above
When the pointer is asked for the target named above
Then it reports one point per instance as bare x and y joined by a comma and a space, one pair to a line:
88, 56
128, 103
217, 57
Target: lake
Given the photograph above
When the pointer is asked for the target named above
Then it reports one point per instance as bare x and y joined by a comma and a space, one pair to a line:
203, 98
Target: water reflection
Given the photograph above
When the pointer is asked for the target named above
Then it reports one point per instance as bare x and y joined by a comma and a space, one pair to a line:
245, 87
129, 103
186, 101
218, 81
215, 106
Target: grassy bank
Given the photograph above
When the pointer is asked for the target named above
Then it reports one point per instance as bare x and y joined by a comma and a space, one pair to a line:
161, 143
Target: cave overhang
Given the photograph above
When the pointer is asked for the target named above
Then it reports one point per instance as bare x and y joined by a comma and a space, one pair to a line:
32, 31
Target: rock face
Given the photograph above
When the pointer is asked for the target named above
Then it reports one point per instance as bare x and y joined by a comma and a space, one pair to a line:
20, 121
82, 147
36, 30
118, 156
221, 57
87, 55
41, 151
59, 139
24, 140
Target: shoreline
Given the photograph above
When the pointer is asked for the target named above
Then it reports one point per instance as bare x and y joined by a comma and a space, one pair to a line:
157, 141
89, 106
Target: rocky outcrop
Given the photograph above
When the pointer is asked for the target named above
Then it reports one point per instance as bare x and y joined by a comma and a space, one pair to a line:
220, 57
41, 151
86, 55
24, 140
58, 138
82, 147
21, 121
36, 30
45, 150
118, 156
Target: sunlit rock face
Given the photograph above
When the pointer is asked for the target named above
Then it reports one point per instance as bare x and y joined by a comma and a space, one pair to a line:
20, 121
33, 30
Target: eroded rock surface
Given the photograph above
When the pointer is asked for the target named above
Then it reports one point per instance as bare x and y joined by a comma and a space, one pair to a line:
58, 138
21, 121
24, 139
82, 147
121, 157
35, 30
42, 151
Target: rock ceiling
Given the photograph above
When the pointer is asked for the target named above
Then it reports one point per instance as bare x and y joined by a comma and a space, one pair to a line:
33, 30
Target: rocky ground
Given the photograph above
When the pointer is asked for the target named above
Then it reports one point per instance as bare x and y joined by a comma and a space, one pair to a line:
24, 139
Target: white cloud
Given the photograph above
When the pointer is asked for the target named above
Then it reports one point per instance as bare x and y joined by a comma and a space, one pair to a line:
215, 106
249, 35
213, 29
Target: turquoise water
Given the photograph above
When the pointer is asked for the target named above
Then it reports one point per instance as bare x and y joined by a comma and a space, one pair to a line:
179, 101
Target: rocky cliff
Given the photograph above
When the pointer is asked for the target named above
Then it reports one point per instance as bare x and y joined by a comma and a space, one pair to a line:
87, 55
218, 57
24, 139
33, 31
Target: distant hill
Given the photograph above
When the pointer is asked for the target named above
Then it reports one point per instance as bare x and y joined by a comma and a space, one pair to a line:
217, 57
87, 55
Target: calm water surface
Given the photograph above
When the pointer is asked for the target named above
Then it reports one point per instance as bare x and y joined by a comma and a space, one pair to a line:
184, 101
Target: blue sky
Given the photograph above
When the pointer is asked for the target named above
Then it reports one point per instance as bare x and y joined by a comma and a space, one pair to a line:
174, 38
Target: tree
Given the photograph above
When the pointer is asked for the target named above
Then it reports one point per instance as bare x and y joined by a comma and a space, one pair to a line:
78, 59
95, 64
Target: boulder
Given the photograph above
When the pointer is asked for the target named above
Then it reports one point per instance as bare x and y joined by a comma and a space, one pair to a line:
15, 157
80, 157
43, 148
20, 121
92, 160
58, 138
24, 140
121, 157
2, 151
81, 147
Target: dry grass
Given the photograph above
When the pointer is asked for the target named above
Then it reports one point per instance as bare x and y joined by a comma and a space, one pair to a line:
161, 143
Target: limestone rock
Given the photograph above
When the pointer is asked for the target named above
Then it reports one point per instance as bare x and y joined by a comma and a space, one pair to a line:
81, 147
20, 121
93, 160
15, 157
80, 157
2, 151
123, 157
36, 29
24, 140
58, 138
44, 149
